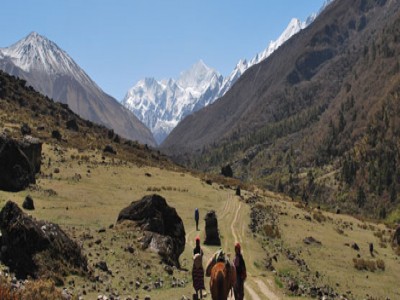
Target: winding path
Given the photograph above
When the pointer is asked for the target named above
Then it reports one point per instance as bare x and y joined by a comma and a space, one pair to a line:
252, 281
232, 214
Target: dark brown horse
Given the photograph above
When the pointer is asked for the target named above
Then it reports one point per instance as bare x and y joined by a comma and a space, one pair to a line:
223, 277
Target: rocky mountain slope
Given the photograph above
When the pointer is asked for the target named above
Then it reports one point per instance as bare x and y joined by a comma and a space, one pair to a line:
25, 112
318, 118
51, 71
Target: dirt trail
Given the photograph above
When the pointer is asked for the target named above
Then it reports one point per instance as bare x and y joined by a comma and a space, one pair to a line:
233, 215
256, 288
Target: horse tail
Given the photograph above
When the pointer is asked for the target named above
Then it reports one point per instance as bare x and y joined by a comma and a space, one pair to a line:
220, 285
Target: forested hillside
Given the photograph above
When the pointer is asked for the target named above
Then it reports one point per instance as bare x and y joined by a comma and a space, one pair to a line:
318, 120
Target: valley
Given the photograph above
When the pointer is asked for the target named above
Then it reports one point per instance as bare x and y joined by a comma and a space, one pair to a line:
297, 152
88, 191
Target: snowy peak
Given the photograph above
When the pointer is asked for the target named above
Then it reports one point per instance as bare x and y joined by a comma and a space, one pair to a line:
51, 71
162, 104
295, 25
197, 77
37, 53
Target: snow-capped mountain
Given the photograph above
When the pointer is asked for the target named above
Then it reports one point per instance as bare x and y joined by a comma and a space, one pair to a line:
162, 104
37, 53
294, 27
51, 71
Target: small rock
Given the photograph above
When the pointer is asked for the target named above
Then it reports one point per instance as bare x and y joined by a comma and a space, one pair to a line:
102, 265
109, 149
169, 270
355, 247
310, 240
25, 129
28, 203
55, 134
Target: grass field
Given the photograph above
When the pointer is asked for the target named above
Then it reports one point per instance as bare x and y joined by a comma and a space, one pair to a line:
84, 192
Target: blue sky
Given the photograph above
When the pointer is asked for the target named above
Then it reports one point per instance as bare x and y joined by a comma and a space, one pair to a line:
118, 42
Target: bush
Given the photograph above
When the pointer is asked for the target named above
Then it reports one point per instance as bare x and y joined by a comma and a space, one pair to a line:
380, 264
363, 264
41, 290
271, 231
6, 293
368, 265
319, 217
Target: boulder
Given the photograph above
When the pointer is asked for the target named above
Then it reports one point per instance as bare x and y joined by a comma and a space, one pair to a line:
36, 248
163, 229
19, 162
212, 233
238, 192
28, 203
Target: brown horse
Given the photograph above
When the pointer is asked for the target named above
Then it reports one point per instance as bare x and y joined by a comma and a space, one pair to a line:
223, 277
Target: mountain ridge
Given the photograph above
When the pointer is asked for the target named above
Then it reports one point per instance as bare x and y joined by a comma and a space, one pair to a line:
51, 71
163, 120
308, 108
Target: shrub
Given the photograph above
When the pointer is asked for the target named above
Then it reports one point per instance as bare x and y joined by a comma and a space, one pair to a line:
40, 290
368, 265
271, 231
6, 292
339, 230
362, 264
319, 217
380, 264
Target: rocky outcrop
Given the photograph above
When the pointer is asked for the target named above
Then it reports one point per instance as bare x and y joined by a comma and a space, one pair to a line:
37, 248
163, 229
212, 233
19, 162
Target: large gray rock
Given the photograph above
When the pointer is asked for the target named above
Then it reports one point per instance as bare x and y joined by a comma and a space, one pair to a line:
37, 248
163, 229
19, 162
212, 232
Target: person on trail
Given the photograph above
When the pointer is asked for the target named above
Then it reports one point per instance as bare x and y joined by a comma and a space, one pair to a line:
197, 249
196, 218
198, 271
241, 274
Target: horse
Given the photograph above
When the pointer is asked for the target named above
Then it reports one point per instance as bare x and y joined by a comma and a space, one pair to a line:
223, 277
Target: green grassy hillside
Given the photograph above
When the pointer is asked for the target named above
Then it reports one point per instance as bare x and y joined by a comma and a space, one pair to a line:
88, 192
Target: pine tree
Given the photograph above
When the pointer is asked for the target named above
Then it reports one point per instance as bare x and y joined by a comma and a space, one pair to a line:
361, 197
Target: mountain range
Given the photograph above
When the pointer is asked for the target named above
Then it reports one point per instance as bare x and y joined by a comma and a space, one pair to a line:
161, 105
51, 71
318, 119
